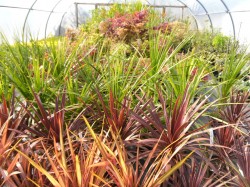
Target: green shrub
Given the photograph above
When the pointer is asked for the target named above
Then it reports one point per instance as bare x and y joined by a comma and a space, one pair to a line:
221, 42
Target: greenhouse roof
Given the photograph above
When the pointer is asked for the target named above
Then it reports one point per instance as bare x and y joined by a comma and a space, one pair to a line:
42, 18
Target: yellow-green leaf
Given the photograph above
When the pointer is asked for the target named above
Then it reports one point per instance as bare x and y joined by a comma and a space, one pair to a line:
42, 170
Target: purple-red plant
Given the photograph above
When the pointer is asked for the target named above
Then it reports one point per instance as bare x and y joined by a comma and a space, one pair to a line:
238, 111
242, 166
14, 169
163, 27
46, 124
117, 117
139, 170
237, 114
172, 126
201, 171
10, 126
125, 27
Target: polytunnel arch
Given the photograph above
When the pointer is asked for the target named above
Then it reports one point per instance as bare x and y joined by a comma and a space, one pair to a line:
24, 24
228, 11
211, 23
222, 15
223, 8
190, 13
31, 8
50, 12
49, 17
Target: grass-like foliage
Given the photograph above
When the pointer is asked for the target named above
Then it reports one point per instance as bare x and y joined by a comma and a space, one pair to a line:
128, 100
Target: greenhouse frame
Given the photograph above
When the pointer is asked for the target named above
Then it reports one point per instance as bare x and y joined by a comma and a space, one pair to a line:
124, 93
227, 16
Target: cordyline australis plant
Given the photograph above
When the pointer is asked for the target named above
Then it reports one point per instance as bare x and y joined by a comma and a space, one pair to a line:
129, 172
237, 114
45, 124
117, 117
88, 159
178, 121
241, 168
69, 162
161, 152
14, 169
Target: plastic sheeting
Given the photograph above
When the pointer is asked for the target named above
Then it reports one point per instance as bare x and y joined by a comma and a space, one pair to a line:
42, 18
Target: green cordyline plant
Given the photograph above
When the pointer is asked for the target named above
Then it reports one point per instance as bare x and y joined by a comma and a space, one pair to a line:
122, 77
67, 63
163, 58
23, 64
6, 89
189, 70
162, 51
42, 67
233, 71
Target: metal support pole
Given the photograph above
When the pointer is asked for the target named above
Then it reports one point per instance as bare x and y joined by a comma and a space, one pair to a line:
26, 18
163, 13
211, 23
196, 22
47, 22
182, 13
231, 17
60, 26
76, 12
